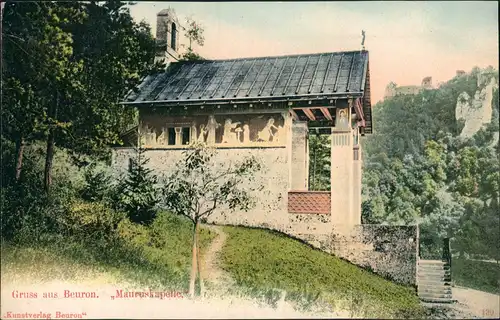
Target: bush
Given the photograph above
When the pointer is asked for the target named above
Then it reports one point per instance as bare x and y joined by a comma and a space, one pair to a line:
92, 220
136, 235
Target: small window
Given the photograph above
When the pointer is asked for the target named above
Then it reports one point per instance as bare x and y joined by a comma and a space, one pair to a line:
186, 133
173, 36
171, 136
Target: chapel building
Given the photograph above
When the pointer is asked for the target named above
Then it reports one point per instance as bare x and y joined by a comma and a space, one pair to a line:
266, 107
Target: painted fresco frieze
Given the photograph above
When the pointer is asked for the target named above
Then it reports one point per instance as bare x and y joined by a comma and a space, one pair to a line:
219, 130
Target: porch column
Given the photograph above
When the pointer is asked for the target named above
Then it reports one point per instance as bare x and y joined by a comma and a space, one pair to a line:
357, 181
300, 156
342, 173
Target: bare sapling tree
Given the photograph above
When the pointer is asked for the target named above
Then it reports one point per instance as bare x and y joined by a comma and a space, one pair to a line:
202, 183
194, 33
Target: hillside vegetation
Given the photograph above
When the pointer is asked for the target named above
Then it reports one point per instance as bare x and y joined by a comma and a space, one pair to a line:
267, 263
418, 169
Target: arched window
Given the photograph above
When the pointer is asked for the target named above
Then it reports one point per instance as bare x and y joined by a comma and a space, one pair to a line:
173, 36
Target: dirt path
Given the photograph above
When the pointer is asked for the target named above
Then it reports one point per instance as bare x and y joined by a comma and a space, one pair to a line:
470, 304
215, 280
480, 304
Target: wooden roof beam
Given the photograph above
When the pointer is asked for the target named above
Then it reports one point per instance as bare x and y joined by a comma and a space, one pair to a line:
309, 114
294, 115
359, 113
326, 113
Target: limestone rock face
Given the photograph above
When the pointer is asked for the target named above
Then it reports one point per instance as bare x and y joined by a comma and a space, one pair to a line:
476, 111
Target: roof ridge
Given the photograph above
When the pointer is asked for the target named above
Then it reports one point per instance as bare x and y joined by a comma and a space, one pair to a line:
276, 56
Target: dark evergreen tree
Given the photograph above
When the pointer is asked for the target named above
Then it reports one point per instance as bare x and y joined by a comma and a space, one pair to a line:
97, 184
137, 192
319, 162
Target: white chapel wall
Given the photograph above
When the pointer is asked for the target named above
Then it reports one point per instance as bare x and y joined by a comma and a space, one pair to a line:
271, 202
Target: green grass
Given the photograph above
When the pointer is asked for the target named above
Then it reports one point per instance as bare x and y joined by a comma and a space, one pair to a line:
264, 261
477, 275
158, 256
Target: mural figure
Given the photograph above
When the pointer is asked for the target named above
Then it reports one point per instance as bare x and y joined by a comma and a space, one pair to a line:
342, 121
238, 132
146, 136
212, 125
246, 133
267, 133
162, 138
152, 137
229, 136
278, 134
203, 132
194, 134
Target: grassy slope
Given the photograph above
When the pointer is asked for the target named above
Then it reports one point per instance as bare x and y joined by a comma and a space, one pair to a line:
158, 257
257, 259
267, 260
477, 275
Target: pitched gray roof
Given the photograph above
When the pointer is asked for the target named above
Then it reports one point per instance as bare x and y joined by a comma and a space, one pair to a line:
319, 75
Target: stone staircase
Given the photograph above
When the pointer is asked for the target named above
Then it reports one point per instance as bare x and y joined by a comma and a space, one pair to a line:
434, 281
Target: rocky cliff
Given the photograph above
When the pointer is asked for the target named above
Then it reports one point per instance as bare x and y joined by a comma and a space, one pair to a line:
477, 111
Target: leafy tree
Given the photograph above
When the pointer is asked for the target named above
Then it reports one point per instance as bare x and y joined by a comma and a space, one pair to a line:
194, 33
79, 60
38, 71
137, 192
116, 53
198, 186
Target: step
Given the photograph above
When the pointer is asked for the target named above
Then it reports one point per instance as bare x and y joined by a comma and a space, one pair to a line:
437, 300
428, 285
432, 262
432, 282
433, 272
434, 279
433, 267
434, 291
441, 279
434, 296
432, 286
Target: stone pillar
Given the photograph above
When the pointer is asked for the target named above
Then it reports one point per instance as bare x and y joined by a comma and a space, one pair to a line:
342, 173
307, 159
289, 139
299, 164
178, 136
357, 177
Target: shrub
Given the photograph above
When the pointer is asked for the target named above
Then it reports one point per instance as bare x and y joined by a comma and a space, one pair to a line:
136, 235
92, 219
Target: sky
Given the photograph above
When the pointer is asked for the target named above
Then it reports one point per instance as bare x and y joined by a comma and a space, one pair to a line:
407, 41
